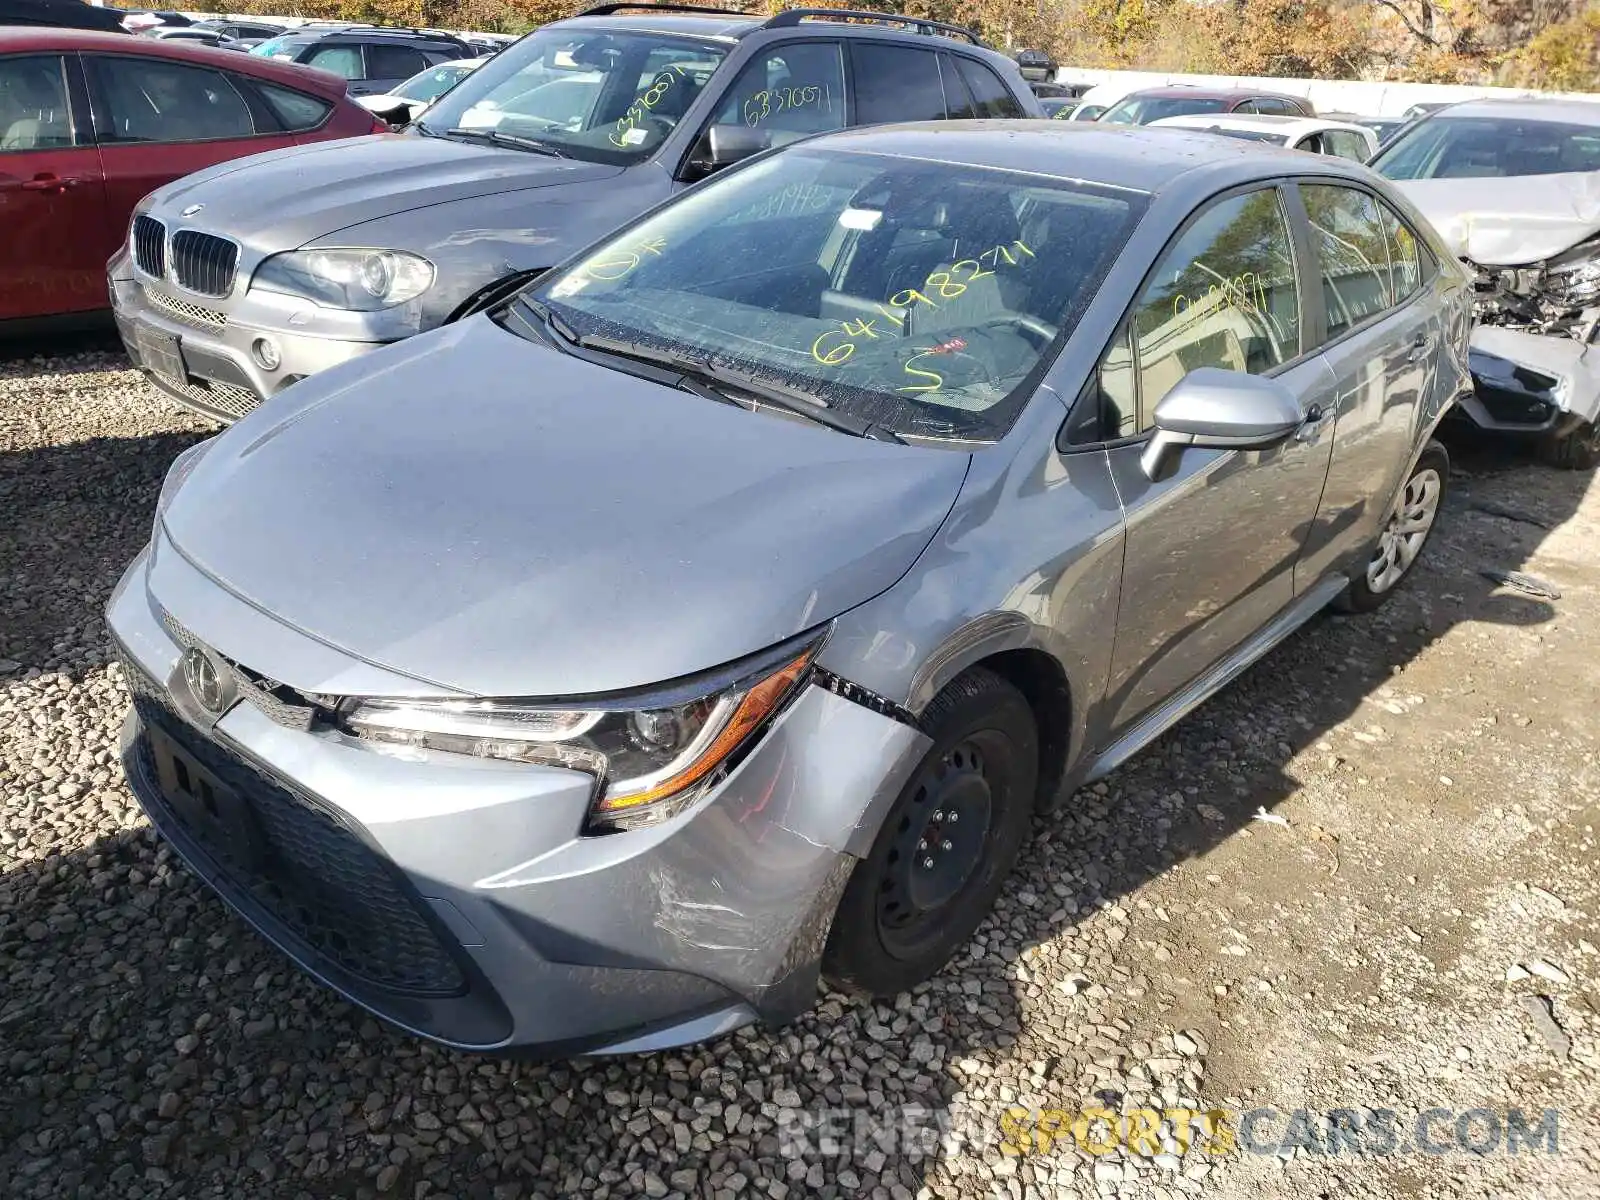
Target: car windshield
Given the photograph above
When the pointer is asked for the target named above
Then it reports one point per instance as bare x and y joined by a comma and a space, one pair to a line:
1141, 110
1482, 147
923, 297
429, 85
596, 94
281, 47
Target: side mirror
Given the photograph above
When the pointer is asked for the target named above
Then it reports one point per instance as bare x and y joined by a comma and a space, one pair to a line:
1222, 410
724, 145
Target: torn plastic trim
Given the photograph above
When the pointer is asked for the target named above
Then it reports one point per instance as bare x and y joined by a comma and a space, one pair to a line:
868, 699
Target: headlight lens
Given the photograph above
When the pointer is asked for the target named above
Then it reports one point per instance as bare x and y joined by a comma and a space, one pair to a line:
357, 280
1573, 278
653, 756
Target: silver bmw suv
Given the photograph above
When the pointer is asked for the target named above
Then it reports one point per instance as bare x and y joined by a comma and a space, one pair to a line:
240, 280
595, 672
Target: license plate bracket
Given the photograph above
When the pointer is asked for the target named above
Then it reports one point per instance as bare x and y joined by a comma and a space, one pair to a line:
213, 810
163, 354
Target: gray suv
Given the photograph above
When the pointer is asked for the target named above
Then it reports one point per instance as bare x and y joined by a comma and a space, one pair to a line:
592, 673
240, 280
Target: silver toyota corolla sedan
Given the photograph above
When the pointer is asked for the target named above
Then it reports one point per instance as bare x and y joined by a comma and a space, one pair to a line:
597, 672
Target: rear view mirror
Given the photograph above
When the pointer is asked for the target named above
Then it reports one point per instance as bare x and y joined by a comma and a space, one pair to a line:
396, 110
1222, 410
724, 145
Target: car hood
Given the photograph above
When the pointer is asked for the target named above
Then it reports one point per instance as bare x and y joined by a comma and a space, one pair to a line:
283, 199
495, 517
1512, 221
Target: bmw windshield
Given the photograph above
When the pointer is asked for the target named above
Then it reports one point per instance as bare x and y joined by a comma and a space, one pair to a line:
594, 94
920, 297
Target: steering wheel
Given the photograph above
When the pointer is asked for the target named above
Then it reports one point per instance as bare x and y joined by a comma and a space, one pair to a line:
1038, 333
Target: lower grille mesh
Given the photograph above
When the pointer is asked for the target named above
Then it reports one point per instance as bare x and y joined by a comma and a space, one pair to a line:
317, 876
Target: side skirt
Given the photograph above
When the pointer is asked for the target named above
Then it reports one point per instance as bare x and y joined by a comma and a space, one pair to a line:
1181, 704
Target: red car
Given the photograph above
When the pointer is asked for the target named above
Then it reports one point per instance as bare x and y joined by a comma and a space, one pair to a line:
90, 122
1151, 104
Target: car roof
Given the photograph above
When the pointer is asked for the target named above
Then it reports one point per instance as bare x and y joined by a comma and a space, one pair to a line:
1575, 112
1141, 158
1178, 92
1267, 122
63, 41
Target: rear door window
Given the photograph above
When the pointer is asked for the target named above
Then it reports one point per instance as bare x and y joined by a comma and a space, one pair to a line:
394, 62
1352, 250
992, 96
1346, 144
296, 110
896, 83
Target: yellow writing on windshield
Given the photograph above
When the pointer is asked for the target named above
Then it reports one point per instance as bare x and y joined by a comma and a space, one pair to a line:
627, 132
615, 262
833, 347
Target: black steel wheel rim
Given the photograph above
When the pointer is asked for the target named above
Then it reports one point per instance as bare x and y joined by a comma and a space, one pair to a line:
939, 844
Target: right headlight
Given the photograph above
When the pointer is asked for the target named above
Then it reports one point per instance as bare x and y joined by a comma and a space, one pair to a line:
651, 755
354, 279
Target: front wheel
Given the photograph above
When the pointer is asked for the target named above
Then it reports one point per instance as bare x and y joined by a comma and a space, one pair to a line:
1576, 450
1404, 533
947, 844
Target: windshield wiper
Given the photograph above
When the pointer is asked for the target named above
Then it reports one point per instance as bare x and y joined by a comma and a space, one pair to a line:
712, 381
495, 137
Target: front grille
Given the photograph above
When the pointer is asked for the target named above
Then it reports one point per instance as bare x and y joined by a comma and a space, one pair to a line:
150, 246
193, 315
227, 401
203, 262
316, 876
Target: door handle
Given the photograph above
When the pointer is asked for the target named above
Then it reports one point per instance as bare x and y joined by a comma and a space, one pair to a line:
1421, 345
48, 183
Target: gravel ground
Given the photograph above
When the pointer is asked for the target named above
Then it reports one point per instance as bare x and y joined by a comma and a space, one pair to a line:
1414, 928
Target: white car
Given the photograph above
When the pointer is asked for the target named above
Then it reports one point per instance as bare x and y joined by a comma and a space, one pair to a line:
1343, 139
405, 101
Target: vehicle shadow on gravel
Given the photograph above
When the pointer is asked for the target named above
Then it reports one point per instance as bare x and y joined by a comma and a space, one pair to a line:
153, 1045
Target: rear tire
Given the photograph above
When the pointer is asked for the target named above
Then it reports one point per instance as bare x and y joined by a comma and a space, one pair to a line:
1404, 536
946, 845
1576, 450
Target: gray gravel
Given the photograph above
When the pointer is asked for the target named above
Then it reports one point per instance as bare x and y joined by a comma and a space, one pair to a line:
1158, 946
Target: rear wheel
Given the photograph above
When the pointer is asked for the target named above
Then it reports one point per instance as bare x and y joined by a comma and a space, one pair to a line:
1576, 450
1403, 535
947, 844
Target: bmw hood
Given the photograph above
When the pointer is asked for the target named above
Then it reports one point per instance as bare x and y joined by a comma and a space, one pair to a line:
1510, 221
286, 198
495, 517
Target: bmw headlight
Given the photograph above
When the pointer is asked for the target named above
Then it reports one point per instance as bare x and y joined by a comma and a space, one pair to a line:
651, 755
356, 280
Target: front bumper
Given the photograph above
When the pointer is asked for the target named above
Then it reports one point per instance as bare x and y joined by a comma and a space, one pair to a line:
458, 899
216, 373
1528, 383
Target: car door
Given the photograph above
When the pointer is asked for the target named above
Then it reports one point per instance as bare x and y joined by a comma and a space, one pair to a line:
1210, 552
158, 119
1380, 333
52, 192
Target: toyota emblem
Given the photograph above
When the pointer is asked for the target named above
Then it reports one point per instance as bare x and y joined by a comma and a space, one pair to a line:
210, 683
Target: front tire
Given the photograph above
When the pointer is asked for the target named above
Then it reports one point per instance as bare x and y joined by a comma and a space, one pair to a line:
1404, 534
947, 844
1576, 450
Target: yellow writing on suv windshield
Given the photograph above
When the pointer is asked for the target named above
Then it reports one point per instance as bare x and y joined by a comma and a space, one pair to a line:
627, 133
617, 261
776, 100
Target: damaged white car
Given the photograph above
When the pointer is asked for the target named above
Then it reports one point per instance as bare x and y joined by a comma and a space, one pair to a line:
1514, 188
